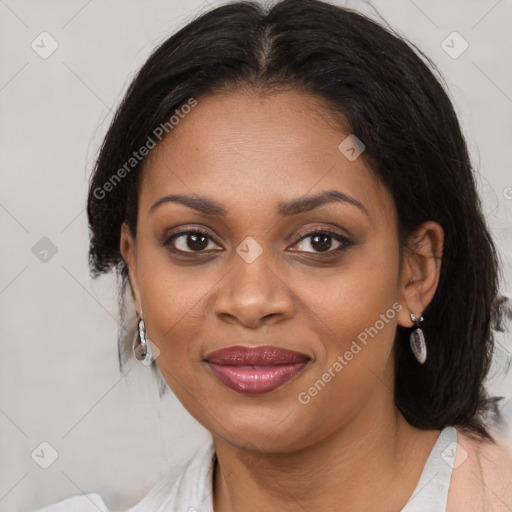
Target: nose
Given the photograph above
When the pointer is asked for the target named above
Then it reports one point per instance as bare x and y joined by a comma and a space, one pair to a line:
252, 294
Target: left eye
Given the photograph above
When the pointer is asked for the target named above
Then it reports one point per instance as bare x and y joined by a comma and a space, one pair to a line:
321, 241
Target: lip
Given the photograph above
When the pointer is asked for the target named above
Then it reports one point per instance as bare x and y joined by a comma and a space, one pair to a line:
255, 370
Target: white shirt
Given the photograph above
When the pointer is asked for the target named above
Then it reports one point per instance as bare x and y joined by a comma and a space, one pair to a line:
188, 488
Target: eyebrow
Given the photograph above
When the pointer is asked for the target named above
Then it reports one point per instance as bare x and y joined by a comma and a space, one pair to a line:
210, 206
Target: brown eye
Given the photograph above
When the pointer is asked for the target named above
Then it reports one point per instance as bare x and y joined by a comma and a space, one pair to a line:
194, 240
321, 241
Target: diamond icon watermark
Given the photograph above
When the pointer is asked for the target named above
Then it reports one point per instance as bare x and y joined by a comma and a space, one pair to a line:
44, 250
249, 455
44, 45
454, 45
454, 455
44, 455
140, 353
249, 249
351, 147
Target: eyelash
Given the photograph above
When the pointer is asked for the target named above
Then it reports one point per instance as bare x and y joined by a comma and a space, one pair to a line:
345, 242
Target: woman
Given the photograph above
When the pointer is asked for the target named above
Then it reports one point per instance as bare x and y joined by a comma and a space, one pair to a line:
288, 196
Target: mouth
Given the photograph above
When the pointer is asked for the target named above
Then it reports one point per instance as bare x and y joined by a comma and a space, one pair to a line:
255, 370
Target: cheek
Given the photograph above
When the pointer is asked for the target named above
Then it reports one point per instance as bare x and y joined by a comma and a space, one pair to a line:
173, 302
355, 316
355, 355
351, 297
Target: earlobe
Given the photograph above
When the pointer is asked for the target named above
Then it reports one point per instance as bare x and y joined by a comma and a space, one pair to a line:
421, 268
128, 249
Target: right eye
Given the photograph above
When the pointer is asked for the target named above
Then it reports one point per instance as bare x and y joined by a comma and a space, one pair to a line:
190, 241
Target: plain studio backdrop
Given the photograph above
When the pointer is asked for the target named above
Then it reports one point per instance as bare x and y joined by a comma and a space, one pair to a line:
64, 68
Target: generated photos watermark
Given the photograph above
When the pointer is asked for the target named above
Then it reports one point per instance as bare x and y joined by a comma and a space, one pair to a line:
158, 133
304, 397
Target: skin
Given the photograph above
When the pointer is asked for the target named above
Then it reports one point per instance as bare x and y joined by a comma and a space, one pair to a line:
250, 152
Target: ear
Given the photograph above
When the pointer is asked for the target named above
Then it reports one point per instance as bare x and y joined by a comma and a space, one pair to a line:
128, 248
421, 268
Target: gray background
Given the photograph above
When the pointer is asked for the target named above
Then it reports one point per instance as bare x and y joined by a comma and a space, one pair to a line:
59, 378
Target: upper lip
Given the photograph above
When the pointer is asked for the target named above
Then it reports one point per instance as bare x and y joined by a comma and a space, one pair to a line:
240, 355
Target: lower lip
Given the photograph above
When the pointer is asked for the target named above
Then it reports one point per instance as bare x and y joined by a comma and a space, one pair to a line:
254, 379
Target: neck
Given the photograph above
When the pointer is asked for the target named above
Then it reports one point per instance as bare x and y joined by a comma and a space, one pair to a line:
373, 462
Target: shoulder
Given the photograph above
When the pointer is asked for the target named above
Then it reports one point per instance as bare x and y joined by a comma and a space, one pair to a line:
188, 484
481, 476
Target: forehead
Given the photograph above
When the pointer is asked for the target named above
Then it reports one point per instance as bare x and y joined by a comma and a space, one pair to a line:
246, 149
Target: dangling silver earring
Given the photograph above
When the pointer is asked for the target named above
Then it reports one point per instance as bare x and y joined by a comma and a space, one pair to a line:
143, 351
418, 345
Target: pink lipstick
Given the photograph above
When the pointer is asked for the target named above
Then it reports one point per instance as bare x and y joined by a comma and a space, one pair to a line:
255, 370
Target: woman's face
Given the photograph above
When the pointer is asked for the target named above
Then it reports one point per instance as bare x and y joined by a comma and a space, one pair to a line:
258, 278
